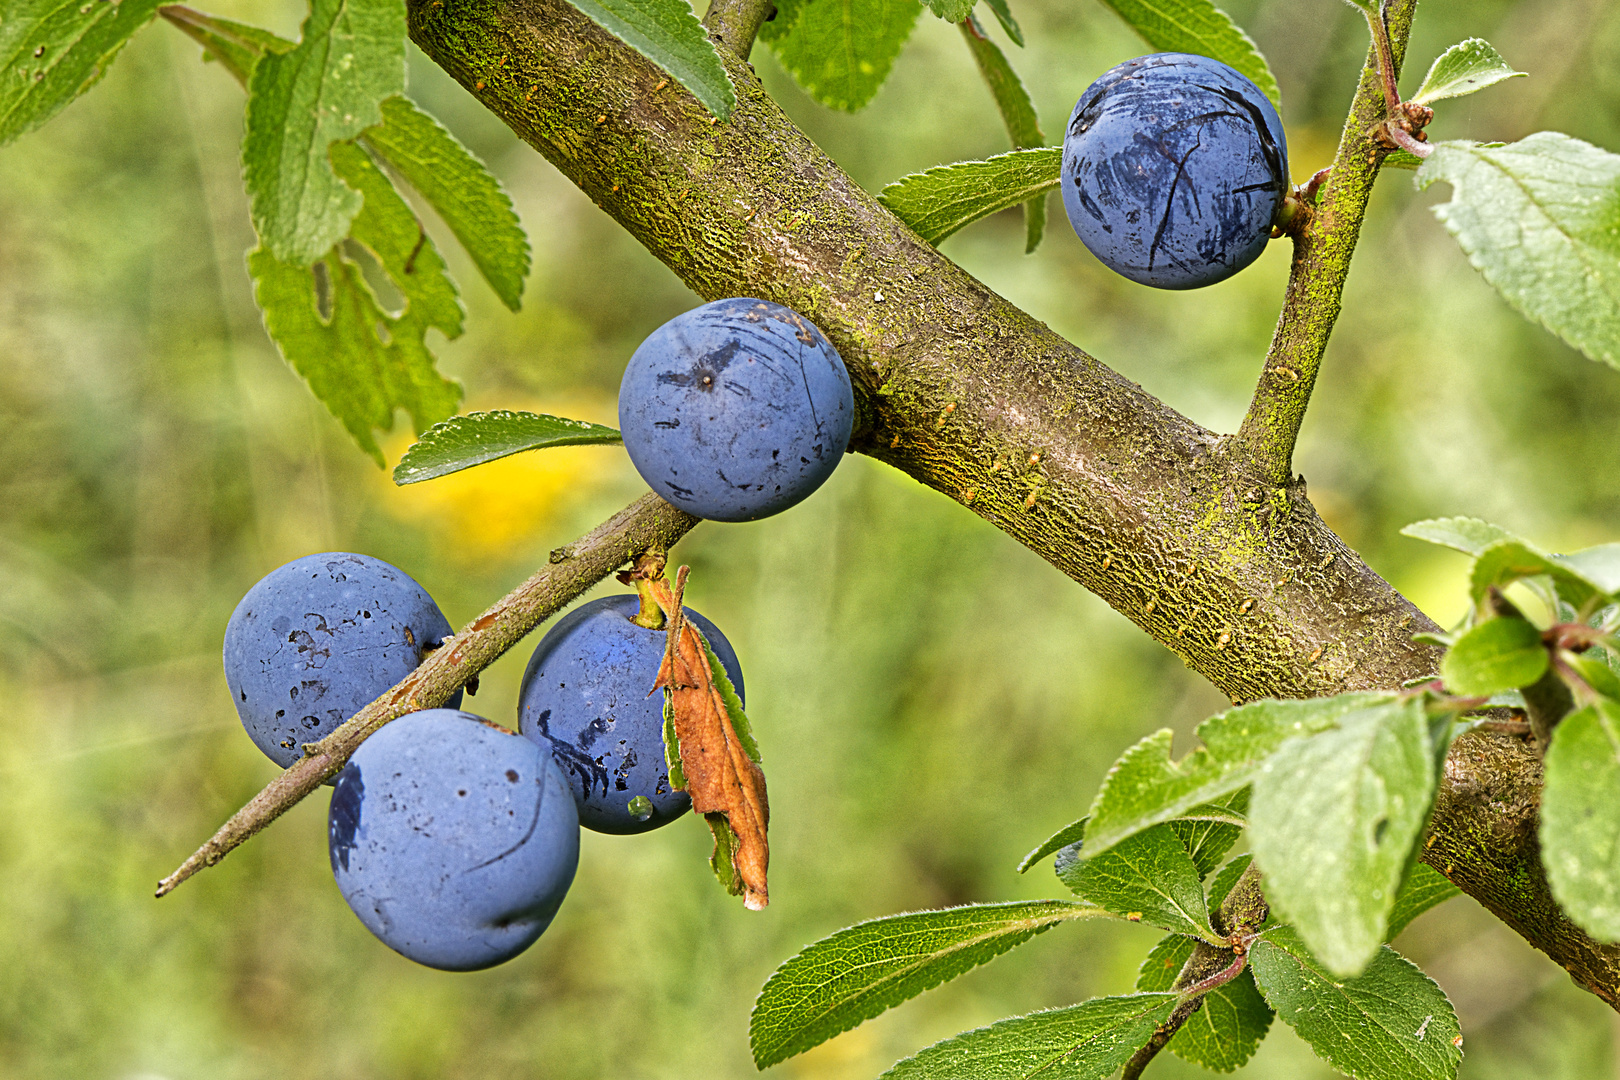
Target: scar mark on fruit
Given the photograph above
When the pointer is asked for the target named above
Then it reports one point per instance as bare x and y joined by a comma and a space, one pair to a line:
572, 757
539, 802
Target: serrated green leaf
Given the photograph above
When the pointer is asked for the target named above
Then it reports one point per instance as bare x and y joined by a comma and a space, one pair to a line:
1402, 159
1580, 818
1017, 113
1072, 833
1389, 1023
1147, 878
1497, 655
1208, 832
460, 189
1082, 1042
51, 51
1163, 963
1423, 889
1145, 787
359, 360
840, 51
1198, 26
464, 441
1599, 565
1462, 69
1333, 821
1599, 674
1507, 561
942, 200
723, 858
1225, 878
1470, 536
952, 11
1004, 16
670, 35
1229, 1026
857, 973
1540, 218
235, 46
328, 89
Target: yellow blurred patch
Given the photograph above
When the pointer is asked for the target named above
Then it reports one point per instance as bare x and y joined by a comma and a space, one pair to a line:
492, 509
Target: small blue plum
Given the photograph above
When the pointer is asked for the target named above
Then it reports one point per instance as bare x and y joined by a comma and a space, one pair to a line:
736, 410
1174, 167
318, 639
588, 696
453, 840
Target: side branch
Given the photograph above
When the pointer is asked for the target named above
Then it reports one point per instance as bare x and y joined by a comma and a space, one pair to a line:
735, 23
1264, 445
647, 523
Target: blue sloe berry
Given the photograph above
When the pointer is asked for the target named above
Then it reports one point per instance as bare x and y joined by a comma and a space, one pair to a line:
736, 410
453, 840
586, 697
318, 639
1174, 167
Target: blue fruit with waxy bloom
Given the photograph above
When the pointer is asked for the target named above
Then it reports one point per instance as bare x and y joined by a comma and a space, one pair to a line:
318, 639
736, 410
453, 840
588, 697
1174, 167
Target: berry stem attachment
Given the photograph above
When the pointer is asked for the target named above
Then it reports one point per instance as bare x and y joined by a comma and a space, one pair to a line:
647, 524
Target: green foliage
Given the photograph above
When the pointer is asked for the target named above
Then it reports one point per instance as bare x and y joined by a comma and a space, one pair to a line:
1470, 536
1071, 833
841, 51
235, 46
952, 11
1462, 69
361, 361
460, 188
1496, 655
1227, 1028
1508, 561
1082, 1042
1389, 1023
1147, 878
1198, 26
857, 973
1580, 818
1017, 112
1004, 16
464, 441
1423, 889
1540, 218
1145, 787
942, 200
329, 88
1225, 878
1333, 822
51, 51
670, 35
1208, 832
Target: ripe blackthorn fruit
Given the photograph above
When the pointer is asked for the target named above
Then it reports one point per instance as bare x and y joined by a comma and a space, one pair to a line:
1174, 166
453, 841
736, 410
318, 639
585, 697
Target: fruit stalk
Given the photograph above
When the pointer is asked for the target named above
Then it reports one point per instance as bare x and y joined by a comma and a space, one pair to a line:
647, 523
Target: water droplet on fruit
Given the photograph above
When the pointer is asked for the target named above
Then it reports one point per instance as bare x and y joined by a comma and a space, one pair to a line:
641, 808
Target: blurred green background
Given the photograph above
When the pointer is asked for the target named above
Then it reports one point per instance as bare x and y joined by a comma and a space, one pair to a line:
932, 699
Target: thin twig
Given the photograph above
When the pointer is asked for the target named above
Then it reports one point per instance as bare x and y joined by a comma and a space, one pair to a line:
648, 523
736, 23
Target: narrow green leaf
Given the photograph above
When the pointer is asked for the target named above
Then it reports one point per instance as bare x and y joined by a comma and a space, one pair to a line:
1402, 159
1145, 787
358, 359
942, 200
670, 35
1017, 113
1004, 16
1599, 673
1508, 561
1225, 878
458, 186
1496, 655
464, 441
841, 51
1368, 6
1227, 1029
1071, 833
235, 46
1389, 1023
723, 857
1198, 26
1423, 889
1208, 832
952, 11
857, 973
1147, 878
51, 51
733, 703
1580, 818
1462, 69
328, 89
1088, 1041
1540, 218
1470, 536
1333, 823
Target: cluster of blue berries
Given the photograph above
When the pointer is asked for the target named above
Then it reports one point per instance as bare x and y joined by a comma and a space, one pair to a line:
454, 840
1174, 169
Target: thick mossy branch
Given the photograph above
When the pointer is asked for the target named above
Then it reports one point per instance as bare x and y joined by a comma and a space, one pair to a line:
959, 388
1264, 446
647, 524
